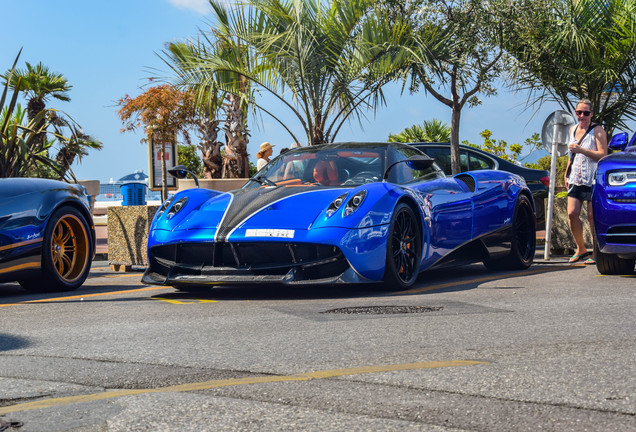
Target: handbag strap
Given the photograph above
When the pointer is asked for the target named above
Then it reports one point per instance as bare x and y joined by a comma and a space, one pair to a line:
590, 128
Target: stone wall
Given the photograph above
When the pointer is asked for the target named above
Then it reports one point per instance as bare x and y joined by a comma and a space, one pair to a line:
128, 228
562, 241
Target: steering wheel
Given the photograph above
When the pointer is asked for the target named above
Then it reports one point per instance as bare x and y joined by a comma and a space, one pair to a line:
362, 177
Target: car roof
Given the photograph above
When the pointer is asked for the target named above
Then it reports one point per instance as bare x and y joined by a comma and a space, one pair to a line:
502, 164
358, 144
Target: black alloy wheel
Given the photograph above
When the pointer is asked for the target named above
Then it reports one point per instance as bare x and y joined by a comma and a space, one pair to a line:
404, 249
523, 239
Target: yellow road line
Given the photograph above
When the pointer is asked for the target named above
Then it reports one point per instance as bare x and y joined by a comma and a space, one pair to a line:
206, 385
94, 276
470, 281
182, 302
80, 296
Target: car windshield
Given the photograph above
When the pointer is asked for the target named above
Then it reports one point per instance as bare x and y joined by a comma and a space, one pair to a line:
323, 166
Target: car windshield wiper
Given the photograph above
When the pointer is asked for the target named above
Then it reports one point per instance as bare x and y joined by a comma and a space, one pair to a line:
264, 181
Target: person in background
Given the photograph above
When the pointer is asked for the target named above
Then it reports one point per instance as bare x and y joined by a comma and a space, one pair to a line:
295, 168
587, 145
262, 157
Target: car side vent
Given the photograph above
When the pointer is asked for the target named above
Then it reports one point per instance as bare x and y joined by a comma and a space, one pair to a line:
468, 180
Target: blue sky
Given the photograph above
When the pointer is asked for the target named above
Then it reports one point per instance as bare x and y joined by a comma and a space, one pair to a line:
108, 49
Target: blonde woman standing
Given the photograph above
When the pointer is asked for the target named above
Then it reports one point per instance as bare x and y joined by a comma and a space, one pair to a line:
587, 145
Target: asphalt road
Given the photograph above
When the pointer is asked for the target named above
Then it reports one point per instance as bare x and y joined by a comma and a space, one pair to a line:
552, 348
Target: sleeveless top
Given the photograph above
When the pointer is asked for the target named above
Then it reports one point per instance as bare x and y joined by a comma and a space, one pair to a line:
583, 168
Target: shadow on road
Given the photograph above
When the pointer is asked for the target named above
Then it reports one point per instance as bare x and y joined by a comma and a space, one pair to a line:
103, 282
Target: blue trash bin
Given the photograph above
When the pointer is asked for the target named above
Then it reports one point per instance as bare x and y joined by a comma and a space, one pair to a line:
133, 194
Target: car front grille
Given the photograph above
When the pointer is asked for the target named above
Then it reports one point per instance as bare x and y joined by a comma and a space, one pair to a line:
625, 234
313, 261
624, 200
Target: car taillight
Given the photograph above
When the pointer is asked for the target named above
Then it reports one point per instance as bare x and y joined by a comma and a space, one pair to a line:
546, 181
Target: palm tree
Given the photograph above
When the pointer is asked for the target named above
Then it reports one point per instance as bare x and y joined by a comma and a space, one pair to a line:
567, 50
20, 147
217, 89
38, 83
76, 146
228, 46
324, 61
458, 80
430, 131
179, 57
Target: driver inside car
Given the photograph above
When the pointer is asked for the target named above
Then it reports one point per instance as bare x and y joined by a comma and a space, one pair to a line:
326, 173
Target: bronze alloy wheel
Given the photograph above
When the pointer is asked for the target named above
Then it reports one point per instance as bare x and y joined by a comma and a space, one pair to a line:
69, 248
67, 253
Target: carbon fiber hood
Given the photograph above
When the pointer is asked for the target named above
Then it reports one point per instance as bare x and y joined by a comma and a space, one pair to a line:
264, 207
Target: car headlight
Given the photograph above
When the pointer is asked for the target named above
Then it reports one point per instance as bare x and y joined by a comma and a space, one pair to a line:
354, 202
620, 178
164, 206
335, 205
176, 207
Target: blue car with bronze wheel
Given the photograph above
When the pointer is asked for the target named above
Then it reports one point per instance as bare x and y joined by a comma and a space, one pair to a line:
614, 208
341, 214
47, 237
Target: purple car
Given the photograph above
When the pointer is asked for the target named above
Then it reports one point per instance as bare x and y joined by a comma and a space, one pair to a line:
614, 206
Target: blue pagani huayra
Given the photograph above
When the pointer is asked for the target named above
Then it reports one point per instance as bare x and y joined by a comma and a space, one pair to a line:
342, 213
614, 208
47, 237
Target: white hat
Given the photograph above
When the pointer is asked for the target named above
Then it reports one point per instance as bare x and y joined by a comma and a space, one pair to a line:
294, 145
266, 146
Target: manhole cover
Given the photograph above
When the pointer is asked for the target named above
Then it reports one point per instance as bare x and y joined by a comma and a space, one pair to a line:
380, 310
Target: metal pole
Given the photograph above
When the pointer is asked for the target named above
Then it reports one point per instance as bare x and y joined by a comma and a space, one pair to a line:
549, 211
164, 177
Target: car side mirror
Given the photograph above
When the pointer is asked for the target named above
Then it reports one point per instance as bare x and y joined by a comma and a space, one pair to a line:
181, 172
618, 142
417, 162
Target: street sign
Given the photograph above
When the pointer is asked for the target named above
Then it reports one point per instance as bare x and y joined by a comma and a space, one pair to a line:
555, 129
154, 165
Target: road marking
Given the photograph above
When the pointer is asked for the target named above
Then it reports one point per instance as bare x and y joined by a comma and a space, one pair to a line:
206, 385
94, 276
471, 281
182, 302
83, 296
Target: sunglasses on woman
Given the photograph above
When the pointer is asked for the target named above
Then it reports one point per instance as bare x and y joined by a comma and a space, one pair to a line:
585, 113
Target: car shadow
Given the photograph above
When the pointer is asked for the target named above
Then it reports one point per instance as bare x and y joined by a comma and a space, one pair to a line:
433, 281
101, 284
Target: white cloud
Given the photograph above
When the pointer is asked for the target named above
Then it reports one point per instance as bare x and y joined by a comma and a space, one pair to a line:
199, 6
